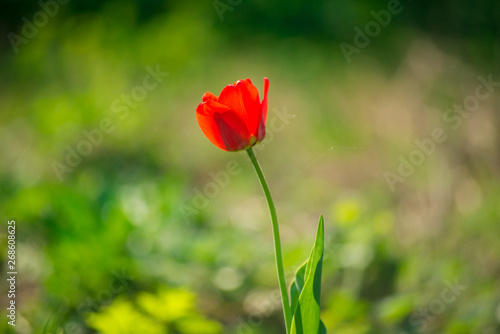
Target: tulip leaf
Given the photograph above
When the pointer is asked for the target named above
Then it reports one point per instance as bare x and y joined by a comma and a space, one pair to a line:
305, 291
322, 327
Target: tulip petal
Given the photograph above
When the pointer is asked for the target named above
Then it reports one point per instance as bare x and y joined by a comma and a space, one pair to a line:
205, 120
209, 96
243, 99
264, 100
222, 126
261, 133
233, 130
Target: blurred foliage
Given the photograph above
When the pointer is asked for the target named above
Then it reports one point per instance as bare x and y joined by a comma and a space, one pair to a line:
109, 246
173, 309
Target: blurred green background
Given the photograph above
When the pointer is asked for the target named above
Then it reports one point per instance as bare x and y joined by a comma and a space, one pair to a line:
135, 235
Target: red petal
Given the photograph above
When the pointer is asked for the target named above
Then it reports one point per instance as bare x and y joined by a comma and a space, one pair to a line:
208, 96
223, 127
243, 99
210, 106
261, 133
232, 130
207, 124
264, 100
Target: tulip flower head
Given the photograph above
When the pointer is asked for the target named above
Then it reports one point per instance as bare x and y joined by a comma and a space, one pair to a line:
236, 119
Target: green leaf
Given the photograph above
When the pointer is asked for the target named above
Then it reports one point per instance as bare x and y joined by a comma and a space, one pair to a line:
322, 328
297, 286
305, 292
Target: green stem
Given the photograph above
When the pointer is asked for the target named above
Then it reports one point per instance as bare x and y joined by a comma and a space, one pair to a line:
277, 241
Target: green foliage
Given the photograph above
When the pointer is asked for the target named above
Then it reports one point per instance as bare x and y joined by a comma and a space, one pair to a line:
305, 291
169, 311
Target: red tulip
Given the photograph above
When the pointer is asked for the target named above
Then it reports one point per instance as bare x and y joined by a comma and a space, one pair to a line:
236, 120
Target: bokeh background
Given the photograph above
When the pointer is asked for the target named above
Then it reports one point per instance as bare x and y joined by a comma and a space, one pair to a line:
152, 229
